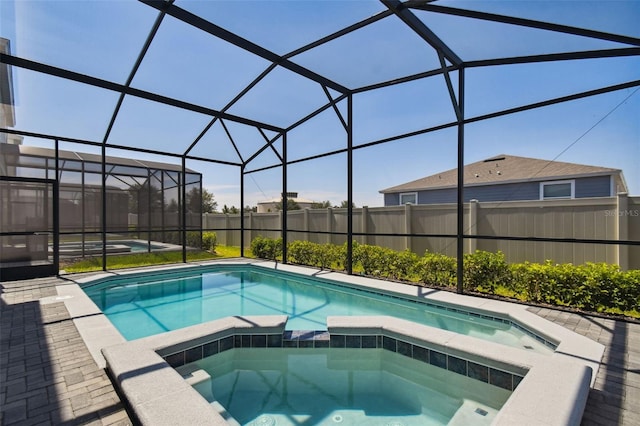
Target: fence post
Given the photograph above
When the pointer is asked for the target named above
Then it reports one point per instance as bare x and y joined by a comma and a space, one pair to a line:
407, 226
250, 227
228, 238
329, 224
622, 229
305, 223
365, 223
472, 243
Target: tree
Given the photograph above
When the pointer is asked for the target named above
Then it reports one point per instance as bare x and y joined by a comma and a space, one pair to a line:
143, 197
230, 210
203, 204
209, 204
345, 204
172, 207
321, 205
248, 209
291, 205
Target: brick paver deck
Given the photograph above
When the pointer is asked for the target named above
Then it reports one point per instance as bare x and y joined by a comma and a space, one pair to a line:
47, 375
615, 398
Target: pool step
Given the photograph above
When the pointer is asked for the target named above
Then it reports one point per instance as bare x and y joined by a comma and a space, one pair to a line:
473, 413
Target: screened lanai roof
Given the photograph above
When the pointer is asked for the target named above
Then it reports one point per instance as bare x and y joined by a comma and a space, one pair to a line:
223, 81
20, 151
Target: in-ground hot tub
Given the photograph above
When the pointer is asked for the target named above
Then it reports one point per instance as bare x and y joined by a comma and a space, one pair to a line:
158, 375
326, 386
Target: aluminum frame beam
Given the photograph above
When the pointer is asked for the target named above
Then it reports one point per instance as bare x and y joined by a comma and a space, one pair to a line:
522, 22
412, 21
116, 87
213, 29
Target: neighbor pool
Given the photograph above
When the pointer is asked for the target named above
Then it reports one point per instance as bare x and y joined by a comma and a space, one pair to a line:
144, 305
88, 248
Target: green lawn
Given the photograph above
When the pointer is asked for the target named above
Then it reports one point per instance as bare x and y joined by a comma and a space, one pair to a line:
148, 259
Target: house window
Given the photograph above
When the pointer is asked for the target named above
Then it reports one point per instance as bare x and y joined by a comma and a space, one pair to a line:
558, 189
409, 198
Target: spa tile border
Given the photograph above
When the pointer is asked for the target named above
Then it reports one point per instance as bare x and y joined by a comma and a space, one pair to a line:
323, 339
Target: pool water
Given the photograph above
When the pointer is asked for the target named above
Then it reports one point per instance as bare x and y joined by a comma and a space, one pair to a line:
141, 306
138, 246
291, 386
95, 247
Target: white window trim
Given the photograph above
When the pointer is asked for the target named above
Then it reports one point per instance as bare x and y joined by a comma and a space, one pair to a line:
415, 194
558, 182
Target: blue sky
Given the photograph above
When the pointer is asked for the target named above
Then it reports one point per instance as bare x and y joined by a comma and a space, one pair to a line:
103, 39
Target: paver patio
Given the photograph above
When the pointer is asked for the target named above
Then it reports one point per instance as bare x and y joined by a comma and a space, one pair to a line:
47, 375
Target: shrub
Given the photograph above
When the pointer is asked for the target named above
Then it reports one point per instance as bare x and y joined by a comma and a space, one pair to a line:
402, 265
301, 252
627, 296
369, 258
325, 255
529, 279
437, 270
209, 241
266, 248
340, 255
194, 239
485, 270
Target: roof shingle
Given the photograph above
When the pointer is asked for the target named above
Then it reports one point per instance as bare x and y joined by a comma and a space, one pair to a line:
503, 169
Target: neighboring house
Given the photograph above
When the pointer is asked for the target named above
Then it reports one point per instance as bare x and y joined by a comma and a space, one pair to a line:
271, 205
510, 178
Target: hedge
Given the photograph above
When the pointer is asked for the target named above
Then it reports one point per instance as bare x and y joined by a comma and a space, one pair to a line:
597, 287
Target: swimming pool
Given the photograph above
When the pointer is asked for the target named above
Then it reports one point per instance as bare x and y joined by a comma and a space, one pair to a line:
148, 304
292, 386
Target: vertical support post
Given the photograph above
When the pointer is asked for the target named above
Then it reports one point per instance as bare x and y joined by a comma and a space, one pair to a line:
200, 221
56, 215
162, 204
622, 230
149, 215
83, 207
183, 178
305, 223
460, 188
349, 265
472, 243
104, 207
284, 198
241, 212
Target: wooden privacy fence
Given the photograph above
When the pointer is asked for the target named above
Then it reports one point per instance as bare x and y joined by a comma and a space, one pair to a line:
610, 218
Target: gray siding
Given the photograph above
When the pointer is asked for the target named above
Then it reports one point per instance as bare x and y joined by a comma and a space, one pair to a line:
599, 186
508, 192
393, 199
